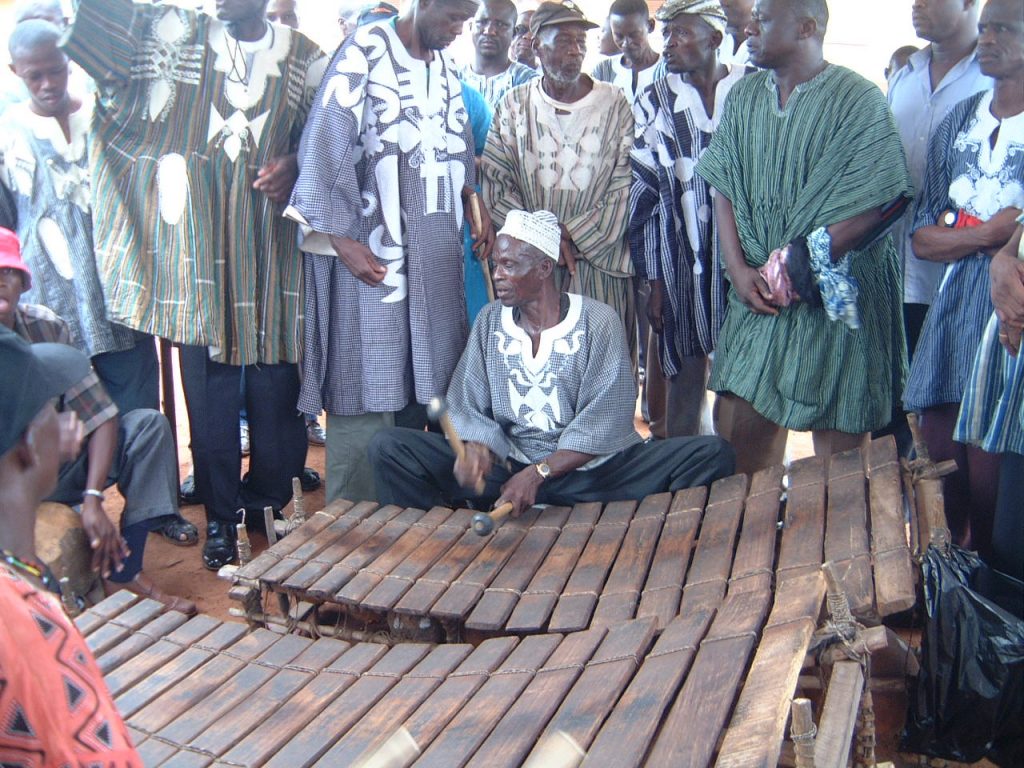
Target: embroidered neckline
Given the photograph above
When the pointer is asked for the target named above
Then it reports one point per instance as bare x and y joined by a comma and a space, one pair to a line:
548, 336
266, 63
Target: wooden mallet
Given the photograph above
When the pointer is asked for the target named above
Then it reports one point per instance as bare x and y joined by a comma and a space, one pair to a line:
484, 523
478, 223
437, 412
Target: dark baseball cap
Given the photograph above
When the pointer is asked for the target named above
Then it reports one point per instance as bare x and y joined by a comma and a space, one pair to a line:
30, 376
566, 12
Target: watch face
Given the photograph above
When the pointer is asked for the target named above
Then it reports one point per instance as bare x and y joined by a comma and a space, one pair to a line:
949, 219
543, 469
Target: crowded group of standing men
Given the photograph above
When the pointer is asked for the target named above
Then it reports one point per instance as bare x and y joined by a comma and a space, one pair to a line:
322, 226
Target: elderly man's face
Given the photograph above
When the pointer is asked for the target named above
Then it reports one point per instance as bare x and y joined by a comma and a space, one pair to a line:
283, 12
561, 49
690, 43
519, 271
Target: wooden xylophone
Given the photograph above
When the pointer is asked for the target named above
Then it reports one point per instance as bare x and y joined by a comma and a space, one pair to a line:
361, 572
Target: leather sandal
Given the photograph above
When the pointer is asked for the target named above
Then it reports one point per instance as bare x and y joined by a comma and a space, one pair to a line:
180, 532
143, 587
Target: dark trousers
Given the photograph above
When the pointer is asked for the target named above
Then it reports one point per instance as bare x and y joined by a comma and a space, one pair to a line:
1008, 527
276, 429
145, 470
131, 377
415, 469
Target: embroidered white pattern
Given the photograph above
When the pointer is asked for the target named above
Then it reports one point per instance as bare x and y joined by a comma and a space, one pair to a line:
166, 61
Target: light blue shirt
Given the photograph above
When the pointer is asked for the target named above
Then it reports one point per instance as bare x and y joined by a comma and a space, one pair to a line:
918, 111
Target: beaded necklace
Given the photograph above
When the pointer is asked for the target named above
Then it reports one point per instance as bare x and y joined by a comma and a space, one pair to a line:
37, 570
239, 73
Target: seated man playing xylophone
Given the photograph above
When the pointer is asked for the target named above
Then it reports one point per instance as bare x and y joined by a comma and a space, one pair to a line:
544, 399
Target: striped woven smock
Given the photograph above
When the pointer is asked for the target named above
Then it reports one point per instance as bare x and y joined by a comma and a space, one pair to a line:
831, 154
964, 172
992, 414
185, 117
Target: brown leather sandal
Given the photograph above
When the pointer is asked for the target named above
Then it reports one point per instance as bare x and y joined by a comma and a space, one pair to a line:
143, 587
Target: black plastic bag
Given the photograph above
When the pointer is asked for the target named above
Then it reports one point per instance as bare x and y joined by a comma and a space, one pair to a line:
968, 702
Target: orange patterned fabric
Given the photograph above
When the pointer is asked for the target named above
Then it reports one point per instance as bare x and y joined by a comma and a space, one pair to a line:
55, 709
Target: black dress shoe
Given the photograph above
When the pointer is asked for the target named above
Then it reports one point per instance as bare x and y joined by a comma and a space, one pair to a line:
187, 491
219, 549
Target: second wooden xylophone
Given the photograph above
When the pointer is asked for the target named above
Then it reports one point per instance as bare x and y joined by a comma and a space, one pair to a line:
360, 571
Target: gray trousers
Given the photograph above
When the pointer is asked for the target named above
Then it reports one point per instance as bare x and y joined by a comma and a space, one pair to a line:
415, 469
349, 472
675, 404
144, 469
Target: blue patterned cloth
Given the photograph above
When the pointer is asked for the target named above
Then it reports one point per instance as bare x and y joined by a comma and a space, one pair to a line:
480, 114
839, 289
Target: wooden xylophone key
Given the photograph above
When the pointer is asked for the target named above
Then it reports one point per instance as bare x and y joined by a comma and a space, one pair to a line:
621, 593
708, 575
235, 689
664, 586
317, 565
500, 598
247, 715
521, 727
105, 610
422, 596
394, 586
139, 640
604, 678
465, 589
115, 630
374, 728
631, 727
893, 568
321, 538
846, 532
755, 733
579, 598
345, 552
455, 745
163, 651
392, 556
309, 745
702, 708
754, 560
292, 717
267, 559
541, 594
431, 717
160, 704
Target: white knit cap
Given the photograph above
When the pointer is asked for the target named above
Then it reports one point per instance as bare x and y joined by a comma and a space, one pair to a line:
539, 229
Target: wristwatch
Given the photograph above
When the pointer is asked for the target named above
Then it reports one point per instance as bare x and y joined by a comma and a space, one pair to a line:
949, 219
543, 470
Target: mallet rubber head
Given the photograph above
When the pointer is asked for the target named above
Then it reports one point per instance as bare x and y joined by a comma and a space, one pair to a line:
483, 524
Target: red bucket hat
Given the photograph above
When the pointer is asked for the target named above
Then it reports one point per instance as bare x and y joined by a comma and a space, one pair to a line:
10, 255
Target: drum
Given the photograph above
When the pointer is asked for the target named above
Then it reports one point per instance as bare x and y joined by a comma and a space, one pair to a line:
63, 545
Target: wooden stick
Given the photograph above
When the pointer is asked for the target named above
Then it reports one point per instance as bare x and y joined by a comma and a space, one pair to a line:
268, 523
802, 732
478, 223
484, 523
